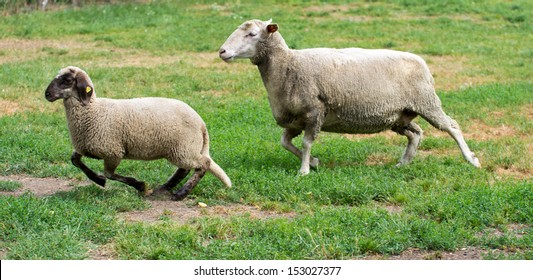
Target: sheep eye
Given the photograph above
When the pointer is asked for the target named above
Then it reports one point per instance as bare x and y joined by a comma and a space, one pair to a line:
252, 34
66, 81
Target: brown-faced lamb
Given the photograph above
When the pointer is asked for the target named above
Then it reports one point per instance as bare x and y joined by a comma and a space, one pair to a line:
139, 128
341, 90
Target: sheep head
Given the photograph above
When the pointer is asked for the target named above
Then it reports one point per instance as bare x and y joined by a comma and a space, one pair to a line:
70, 82
242, 43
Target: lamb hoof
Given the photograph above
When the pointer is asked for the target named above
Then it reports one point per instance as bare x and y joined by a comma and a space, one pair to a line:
100, 180
141, 187
161, 190
178, 196
148, 192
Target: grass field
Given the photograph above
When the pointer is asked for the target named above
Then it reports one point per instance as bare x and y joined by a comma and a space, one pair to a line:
356, 205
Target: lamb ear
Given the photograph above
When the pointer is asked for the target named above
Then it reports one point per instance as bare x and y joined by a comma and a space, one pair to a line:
273, 27
84, 89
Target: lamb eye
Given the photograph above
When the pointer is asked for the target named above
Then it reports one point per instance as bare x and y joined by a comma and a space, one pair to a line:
252, 34
66, 81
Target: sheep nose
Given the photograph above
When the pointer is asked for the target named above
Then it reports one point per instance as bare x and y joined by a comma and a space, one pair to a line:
47, 94
221, 51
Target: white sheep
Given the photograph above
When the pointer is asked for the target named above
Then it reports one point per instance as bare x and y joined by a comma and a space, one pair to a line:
341, 90
139, 128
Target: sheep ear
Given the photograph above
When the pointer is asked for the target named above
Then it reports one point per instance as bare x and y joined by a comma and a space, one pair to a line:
84, 90
273, 27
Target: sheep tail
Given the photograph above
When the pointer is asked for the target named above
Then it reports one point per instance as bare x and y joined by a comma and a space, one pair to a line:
219, 173
214, 168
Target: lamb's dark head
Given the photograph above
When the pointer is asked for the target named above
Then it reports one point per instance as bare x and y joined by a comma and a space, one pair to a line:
70, 82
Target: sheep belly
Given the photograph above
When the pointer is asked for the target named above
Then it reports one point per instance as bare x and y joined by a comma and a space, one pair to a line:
359, 124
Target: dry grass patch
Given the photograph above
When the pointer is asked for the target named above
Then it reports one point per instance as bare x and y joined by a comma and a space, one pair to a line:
455, 72
103, 252
380, 159
20, 50
9, 108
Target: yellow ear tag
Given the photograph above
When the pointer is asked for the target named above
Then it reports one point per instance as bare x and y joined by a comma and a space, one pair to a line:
88, 89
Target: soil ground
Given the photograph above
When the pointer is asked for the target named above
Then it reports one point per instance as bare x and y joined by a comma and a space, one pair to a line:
183, 212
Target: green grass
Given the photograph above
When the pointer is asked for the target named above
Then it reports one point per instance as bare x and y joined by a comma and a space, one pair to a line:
340, 211
9, 186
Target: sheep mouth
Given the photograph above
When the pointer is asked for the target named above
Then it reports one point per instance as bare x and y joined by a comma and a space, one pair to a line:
228, 59
51, 97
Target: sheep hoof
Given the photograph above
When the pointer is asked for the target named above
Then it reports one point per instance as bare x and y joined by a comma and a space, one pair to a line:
161, 190
100, 180
475, 161
304, 172
148, 192
178, 196
140, 187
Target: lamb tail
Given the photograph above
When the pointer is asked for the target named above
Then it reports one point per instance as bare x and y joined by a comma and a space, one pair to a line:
219, 173
213, 166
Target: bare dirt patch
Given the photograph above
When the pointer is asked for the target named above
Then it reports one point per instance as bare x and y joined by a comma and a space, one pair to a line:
466, 253
38, 186
103, 252
183, 212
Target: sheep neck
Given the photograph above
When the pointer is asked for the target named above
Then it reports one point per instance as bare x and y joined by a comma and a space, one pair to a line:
78, 120
272, 54
271, 48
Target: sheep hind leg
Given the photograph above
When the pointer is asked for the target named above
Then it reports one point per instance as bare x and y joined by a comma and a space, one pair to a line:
414, 135
443, 122
191, 183
76, 160
286, 142
174, 180
109, 171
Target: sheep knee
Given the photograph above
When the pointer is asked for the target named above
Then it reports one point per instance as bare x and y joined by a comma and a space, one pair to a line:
76, 161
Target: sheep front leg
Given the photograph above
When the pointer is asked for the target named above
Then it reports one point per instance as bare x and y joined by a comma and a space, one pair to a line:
311, 133
191, 183
286, 142
110, 165
76, 160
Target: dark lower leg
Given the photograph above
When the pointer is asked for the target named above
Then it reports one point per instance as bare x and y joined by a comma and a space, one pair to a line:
173, 180
191, 183
109, 172
76, 160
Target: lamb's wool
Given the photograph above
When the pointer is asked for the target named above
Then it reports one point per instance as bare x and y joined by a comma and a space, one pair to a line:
139, 128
